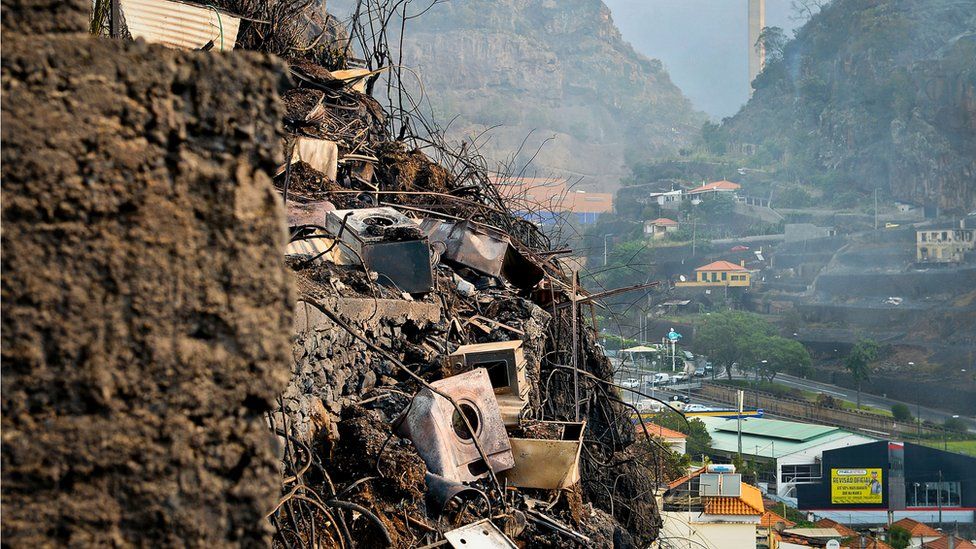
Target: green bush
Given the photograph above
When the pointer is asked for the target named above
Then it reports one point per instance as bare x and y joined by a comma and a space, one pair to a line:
901, 412
955, 424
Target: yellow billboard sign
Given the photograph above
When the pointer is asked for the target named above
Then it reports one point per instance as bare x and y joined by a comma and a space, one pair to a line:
855, 486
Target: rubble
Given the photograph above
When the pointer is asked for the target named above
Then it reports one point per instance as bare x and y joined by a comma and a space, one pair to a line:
443, 379
428, 307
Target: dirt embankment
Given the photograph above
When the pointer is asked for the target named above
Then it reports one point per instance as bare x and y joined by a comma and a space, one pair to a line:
146, 306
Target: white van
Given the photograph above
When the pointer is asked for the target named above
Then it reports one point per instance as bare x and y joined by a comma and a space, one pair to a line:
661, 379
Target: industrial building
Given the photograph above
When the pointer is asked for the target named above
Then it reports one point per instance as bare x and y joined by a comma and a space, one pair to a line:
787, 452
861, 484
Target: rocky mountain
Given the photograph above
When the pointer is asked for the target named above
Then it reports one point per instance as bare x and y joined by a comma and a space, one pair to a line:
877, 94
552, 69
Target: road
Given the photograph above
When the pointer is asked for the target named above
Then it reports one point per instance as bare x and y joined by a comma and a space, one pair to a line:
930, 414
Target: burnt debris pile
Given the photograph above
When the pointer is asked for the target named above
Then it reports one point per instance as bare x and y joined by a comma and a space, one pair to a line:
433, 393
445, 385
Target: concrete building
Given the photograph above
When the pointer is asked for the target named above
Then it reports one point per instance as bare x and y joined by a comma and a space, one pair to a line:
545, 200
788, 451
757, 54
944, 243
720, 273
660, 227
701, 520
798, 232
669, 200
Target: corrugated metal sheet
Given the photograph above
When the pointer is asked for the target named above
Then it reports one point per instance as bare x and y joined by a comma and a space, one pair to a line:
180, 24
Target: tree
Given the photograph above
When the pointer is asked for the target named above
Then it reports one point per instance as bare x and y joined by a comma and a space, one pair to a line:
901, 412
859, 361
732, 337
898, 537
781, 354
699, 441
955, 424
771, 40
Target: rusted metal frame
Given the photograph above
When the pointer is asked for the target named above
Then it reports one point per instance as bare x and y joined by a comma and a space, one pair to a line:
481, 451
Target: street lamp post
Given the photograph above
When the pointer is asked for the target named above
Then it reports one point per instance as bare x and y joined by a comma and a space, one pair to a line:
605, 237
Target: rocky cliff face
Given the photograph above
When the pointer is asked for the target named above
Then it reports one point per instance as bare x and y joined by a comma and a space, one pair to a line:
146, 305
878, 94
558, 68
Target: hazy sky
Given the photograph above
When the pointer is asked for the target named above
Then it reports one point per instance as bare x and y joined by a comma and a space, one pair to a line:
703, 44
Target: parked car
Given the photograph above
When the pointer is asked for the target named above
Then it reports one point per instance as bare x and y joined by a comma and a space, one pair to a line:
630, 383
681, 398
696, 408
678, 378
699, 371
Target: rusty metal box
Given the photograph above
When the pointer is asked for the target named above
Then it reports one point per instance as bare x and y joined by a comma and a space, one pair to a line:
547, 463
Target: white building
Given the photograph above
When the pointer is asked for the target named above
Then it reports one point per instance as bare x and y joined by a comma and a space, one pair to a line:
792, 450
692, 518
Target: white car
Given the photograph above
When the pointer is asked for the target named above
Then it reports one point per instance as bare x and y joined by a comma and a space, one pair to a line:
696, 408
630, 383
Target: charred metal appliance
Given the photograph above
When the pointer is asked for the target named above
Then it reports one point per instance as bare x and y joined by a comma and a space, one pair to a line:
483, 249
550, 461
385, 241
441, 436
505, 364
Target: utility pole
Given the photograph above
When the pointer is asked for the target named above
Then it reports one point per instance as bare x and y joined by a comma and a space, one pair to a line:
940, 498
740, 397
575, 344
605, 237
114, 23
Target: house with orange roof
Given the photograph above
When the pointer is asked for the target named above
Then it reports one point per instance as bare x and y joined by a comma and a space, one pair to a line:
543, 200
713, 510
866, 543
828, 523
943, 543
660, 227
770, 525
714, 187
718, 274
677, 441
920, 532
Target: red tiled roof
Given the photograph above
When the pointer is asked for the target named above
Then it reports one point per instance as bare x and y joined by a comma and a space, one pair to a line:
771, 519
943, 543
659, 430
722, 185
749, 503
721, 266
844, 530
916, 528
869, 543
550, 194
664, 221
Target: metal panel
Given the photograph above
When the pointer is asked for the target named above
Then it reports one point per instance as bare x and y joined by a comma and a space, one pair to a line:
179, 24
478, 535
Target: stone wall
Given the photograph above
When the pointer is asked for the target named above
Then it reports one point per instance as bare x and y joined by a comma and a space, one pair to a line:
146, 308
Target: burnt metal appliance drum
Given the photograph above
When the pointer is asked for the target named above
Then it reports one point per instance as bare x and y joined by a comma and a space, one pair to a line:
437, 431
385, 241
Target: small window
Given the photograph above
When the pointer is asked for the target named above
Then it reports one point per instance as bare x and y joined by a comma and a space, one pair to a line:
724, 276
923, 237
945, 235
